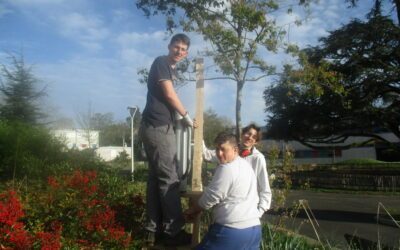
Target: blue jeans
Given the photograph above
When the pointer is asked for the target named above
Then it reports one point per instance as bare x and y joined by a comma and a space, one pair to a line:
221, 237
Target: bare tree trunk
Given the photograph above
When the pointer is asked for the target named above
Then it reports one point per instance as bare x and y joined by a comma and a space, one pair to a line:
240, 85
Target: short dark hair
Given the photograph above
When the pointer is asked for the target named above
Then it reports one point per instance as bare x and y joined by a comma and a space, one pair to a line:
180, 38
255, 127
224, 137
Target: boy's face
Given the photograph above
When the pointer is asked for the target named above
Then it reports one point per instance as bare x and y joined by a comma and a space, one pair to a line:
177, 51
249, 139
226, 152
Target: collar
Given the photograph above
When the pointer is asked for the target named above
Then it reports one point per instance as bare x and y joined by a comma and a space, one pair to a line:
245, 152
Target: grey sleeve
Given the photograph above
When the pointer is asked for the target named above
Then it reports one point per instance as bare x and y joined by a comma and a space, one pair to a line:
162, 70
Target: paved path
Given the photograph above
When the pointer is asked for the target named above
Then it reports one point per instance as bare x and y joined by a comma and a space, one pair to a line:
343, 214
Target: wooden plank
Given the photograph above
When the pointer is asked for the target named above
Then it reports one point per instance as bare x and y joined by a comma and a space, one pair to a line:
197, 185
198, 132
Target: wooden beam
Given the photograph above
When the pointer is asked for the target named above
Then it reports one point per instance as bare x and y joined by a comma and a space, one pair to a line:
197, 185
198, 132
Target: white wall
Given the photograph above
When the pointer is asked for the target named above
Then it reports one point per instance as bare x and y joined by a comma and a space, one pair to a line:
111, 152
78, 138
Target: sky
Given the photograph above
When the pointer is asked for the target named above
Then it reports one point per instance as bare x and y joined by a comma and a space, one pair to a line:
87, 53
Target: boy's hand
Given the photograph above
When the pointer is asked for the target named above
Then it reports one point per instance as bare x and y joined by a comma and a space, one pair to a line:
195, 125
187, 120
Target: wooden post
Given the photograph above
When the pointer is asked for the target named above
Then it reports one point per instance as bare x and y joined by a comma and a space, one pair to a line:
197, 185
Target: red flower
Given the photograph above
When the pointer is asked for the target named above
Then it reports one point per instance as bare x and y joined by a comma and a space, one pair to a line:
10, 208
12, 232
53, 182
49, 241
118, 234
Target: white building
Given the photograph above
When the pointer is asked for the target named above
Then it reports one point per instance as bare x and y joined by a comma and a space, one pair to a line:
307, 155
78, 138
111, 152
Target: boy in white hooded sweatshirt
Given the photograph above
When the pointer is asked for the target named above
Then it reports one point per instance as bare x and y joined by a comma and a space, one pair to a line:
232, 196
251, 135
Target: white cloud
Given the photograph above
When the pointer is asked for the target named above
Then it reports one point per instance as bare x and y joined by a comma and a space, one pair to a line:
88, 30
74, 83
141, 39
120, 42
73, 19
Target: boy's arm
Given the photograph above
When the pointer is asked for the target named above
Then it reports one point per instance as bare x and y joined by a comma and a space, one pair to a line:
264, 189
173, 99
171, 96
209, 154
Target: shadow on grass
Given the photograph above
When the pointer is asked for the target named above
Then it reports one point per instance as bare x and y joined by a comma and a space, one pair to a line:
331, 215
356, 242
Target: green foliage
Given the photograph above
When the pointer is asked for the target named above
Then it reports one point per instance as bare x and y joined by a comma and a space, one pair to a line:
99, 121
347, 86
32, 152
378, 6
93, 209
141, 172
121, 161
238, 32
276, 239
359, 162
125, 197
115, 134
214, 124
18, 86
279, 173
368, 164
26, 150
273, 156
83, 159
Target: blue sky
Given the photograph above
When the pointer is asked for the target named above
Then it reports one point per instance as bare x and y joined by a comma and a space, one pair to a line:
88, 52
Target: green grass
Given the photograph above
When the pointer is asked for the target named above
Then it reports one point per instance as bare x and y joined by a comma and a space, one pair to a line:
359, 162
280, 239
367, 162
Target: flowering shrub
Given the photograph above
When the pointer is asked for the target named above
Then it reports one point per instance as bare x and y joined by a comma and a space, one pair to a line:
86, 216
75, 211
12, 232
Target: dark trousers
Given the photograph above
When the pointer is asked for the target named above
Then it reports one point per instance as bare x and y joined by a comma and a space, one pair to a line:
163, 204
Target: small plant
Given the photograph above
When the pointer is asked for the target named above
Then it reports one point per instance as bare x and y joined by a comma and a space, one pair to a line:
81, 210
280, 179
13, 233
278, 239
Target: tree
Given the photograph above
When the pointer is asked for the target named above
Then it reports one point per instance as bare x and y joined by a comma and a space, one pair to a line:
62, 123
85, 122
378, 5
238, 31
347, 86
100, 121
214, 124
115, 134
19, 89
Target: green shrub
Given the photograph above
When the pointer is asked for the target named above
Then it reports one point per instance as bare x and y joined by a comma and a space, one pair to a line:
275, 239
90, 209
359, 162
25, 149
32, 152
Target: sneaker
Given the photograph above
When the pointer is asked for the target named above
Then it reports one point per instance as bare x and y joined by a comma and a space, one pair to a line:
153, 238
181, 239
150, 238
